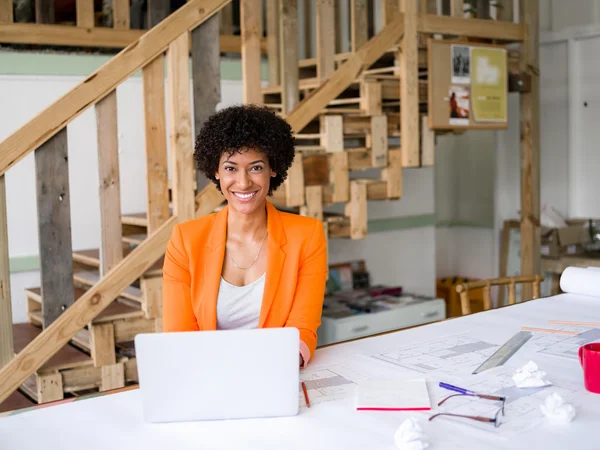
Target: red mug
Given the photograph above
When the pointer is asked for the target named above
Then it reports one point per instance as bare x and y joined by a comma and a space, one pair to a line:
589, 357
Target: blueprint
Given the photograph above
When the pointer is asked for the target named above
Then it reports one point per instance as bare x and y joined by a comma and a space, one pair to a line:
331, 382
452, 355
562, 345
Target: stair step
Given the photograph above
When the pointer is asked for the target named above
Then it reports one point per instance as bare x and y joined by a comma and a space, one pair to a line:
115, 311
66, 358
15, 401
91, 257
89, 278
138, 219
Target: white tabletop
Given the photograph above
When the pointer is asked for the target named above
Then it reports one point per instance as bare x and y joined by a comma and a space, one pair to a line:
115, 421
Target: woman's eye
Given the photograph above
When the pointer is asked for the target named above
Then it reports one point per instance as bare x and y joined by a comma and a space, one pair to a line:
257, 168
229, 168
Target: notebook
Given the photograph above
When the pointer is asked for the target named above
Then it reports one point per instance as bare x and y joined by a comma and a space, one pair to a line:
393, 395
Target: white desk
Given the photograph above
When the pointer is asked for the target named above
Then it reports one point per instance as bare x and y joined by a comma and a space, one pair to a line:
114, 421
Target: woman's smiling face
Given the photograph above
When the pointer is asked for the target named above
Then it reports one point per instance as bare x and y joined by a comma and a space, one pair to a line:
245, 178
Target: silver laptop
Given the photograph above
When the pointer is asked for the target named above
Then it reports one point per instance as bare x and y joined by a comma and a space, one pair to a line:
233, 374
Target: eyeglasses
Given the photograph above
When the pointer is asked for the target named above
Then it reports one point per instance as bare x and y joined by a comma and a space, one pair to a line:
495, 420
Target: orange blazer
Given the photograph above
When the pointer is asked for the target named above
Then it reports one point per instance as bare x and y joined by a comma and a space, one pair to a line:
295, 276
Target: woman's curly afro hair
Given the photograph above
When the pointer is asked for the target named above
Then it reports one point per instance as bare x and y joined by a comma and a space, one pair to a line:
242, 127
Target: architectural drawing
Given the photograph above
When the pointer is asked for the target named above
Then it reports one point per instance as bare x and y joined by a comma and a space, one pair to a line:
334, 382
563, 345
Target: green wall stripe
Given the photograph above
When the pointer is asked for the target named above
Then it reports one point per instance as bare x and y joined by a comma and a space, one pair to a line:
463, 223
24, 263
63, 64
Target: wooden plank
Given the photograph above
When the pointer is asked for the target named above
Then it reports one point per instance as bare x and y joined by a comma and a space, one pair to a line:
339, 177
54, 118
6, 11
158, 10
409, 87
206, 78
483, 9
273, 41
251, 29
427, 143
325, 38
121, 14
314, 203
389, 10
356, 209
180, 128
392, 174
477, 28
113, 377
358, 24
44, 11
311, 106
308, 34
6, 326
54, 226
226, 19
294, 184
49, 387
95, 300
379, 141
506, 13
157, 194
457, 8
316, 169
152, 297
103, 344
370, 98
85, 13
530, 148
332, 137
111, 249
288, 29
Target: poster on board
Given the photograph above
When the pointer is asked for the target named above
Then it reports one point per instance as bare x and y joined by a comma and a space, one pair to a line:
461, 64
488, 84
460, 105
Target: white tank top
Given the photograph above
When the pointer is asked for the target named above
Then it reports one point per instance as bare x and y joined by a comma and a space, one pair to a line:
239, 306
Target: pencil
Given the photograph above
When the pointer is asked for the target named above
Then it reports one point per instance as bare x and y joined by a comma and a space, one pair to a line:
305, 394
546, 330
567, 322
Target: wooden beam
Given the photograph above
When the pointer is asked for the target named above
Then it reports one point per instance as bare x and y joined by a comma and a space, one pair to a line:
311, 106
152, 297
113, 377
506, 12
273, 41
87, 307
85, 13
478, 28
358, 24
206, 78
121, 14
226, 19
180, 128
44, 11
308, 35
427, 143
111, 245
370, 98
102, 340
356, 209
392, 174
389, 10
483, 9
325, 39
288, 28
49, 387
6, 13
55, 117
158, 10
54, 227
157, 182
314, 203
251, 29
457, 8
409, 87
379, 141
530, 147
6, 330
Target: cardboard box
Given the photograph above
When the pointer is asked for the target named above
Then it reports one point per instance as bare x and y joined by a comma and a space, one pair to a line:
569, 240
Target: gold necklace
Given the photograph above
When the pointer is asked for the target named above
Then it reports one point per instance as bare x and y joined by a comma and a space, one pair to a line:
255, 259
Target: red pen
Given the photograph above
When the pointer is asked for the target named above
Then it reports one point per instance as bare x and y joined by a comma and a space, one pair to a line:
305, 394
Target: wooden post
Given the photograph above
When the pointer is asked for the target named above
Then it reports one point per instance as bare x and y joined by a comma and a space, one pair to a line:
379, 141
359, 28
370, 98
457, 8
121, 14
427, 143
111, 248
44, 11
226, 20
332, 139
325, 39
180, 128
152, 297
273, 50
530, 147
308, 12
392, 174
288, 28
483, 9
206, 78
487, 302
506, 13
6, 332
251, 30
157, 11
6, 11
85, 13
157, 183
409, 86
54, 227
49, 387
314, 203
389, 8
356, 209
102, 340
113, 377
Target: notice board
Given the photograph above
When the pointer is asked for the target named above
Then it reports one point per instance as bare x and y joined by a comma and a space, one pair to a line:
467, 85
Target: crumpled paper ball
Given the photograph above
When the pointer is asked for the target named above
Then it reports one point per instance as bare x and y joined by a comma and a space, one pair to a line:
410, 436
556, 410
530, 376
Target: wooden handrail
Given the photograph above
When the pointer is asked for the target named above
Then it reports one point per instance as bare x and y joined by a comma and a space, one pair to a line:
95, 87
497, 281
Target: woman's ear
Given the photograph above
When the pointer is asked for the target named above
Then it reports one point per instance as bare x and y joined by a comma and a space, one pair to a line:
273, 174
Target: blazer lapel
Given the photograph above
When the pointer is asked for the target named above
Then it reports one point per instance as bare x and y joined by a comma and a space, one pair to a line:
213, 266
275, 260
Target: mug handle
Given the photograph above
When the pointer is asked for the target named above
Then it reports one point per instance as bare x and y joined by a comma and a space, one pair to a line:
581, 356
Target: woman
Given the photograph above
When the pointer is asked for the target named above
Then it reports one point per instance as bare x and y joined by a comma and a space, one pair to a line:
249, 265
